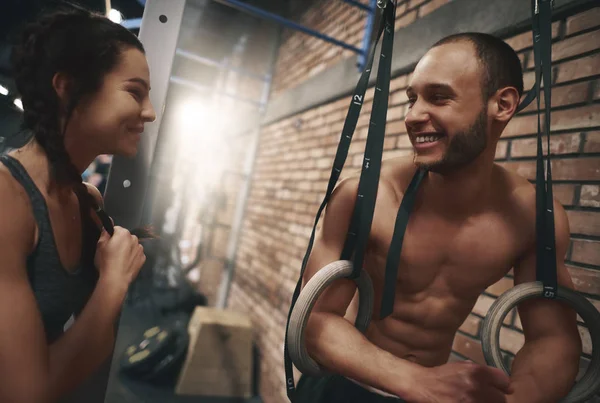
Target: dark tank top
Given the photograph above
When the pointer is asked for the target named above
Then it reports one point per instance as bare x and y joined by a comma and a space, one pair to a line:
61, 295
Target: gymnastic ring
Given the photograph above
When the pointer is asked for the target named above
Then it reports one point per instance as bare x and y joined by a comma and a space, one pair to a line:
589, 384
304, 305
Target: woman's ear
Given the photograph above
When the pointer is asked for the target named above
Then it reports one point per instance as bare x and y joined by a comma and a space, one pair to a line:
61, 85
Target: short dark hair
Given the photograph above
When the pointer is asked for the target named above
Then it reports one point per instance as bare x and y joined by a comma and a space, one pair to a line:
501, 67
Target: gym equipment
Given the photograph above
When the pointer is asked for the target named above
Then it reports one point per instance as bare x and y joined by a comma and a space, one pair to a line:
158, 355
546, 285
313, 289
219, 361
350, 263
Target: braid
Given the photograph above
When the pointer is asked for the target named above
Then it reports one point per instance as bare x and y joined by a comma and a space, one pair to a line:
83, 45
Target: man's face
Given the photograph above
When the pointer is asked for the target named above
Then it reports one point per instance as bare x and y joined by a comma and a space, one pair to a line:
447, 121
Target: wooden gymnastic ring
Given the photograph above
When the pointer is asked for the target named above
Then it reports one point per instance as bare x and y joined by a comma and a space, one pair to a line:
304, 305
589, 384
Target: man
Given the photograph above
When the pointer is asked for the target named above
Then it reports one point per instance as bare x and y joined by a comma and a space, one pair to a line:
472, 222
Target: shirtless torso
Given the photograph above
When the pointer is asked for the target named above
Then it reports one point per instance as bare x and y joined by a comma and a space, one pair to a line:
446, 262
449, 257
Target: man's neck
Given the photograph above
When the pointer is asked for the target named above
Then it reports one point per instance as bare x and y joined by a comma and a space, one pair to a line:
462, 192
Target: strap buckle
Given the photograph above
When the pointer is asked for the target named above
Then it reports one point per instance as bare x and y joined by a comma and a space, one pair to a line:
382, 3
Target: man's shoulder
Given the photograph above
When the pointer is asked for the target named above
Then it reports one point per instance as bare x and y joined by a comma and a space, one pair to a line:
395, 175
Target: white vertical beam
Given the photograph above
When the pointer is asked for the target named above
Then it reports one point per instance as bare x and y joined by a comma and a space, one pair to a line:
129, 177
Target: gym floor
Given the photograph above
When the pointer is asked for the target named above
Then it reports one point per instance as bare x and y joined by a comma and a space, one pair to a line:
136, 318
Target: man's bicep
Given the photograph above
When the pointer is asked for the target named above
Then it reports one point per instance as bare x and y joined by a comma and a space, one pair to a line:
542, 317
328, 246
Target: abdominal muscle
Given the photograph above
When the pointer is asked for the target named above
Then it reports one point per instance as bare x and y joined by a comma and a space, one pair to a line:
420, 330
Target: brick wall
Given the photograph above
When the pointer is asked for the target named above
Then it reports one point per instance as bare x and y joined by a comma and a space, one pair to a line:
301, 56
294, 161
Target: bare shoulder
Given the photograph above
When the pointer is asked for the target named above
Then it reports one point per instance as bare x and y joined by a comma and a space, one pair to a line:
518, 197
17, 224
93, 190
396, 174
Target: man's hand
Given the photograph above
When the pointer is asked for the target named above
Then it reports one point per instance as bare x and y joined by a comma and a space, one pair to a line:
461, 382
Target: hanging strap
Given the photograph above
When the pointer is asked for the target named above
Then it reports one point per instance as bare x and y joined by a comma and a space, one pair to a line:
362, 218
545, 236
393, 258
387, 22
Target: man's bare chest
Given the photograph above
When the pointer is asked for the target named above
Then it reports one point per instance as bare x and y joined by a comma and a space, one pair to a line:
463, 257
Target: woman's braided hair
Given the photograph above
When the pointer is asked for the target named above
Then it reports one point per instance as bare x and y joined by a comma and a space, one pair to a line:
84, 46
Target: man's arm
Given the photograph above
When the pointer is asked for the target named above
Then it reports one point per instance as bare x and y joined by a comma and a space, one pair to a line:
545, 368
331, 340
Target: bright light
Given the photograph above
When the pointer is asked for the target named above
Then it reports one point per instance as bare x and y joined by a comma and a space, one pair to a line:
201, 142
18, 103
115, 16
3, 90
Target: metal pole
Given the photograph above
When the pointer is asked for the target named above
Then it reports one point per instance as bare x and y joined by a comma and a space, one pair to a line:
362, 60
242, 201
285, 22
128, 179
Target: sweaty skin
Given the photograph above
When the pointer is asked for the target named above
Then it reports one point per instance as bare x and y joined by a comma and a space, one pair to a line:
472, 222
446, 262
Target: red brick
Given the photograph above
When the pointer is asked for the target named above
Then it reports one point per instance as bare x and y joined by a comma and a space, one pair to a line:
564, 169
590, 196
501, 149
586, 340
431, 7
592, 142
582, 21
403, 142
564, 193
406, 19
584, 222
563, 96
396, 127
573, 46
525, 40
582, 117
469, 348
415, 3
398, 83
587, 252
395, 113
511, 340
559, 144
596, 94
398, 98
500, 287
521, 125
483, 305
471, 325
389, 154
579, 68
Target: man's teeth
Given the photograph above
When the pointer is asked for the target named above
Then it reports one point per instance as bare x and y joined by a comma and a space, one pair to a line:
427, 139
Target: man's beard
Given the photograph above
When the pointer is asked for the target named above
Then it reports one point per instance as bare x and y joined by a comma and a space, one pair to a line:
463, 149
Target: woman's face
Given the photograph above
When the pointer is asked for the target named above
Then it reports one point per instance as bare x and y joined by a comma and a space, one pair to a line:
112, 121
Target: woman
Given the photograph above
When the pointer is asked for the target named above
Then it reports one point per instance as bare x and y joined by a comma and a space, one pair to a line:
84, 83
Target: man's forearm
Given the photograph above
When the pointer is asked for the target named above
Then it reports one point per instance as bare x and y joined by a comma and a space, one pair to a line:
85, 346
337, 346
544, 371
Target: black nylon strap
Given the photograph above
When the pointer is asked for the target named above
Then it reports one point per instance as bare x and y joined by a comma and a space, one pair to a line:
393, 258
362, 218
338, 164
546, 271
